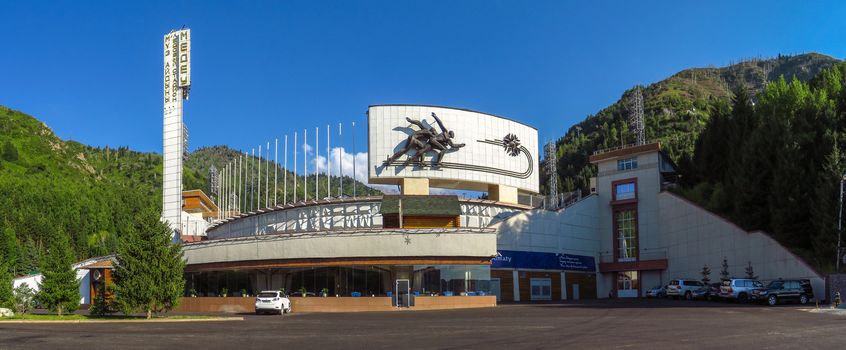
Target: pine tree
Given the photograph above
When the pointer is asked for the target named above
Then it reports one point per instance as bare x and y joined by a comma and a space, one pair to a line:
9, 248
149, 272
29, 259
706, 274
103, 304
750, 273
724, 271
59, 288
10, 153
7, 298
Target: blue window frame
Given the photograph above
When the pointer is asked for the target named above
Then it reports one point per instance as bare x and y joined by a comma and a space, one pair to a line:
624, 191
627, 164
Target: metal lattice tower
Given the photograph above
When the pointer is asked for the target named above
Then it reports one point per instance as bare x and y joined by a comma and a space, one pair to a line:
636, 117
549, 155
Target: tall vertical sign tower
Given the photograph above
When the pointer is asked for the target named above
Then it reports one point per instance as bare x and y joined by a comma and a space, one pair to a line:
177, 82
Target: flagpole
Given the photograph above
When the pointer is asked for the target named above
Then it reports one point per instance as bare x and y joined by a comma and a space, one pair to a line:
275, 170
243, 201
328, 165
267, 177
258, 174
316, 155
340, 163
285, 173
305, 165
353, 152
295, 167
253, 182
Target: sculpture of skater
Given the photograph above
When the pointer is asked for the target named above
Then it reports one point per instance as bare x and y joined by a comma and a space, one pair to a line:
426, 140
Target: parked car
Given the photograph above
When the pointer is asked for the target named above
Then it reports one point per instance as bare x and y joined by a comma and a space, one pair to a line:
714, 291
701, 293
683, 288
657, 292
739, 289
785, 291
272, 301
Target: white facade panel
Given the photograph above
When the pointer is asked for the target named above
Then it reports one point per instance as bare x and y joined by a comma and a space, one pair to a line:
483, 159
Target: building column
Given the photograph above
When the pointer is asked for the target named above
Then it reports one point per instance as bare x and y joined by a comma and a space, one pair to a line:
515, 275
415, 186
502, 193
563, 286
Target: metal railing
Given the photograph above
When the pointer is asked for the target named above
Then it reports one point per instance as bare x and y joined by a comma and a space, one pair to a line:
615, 148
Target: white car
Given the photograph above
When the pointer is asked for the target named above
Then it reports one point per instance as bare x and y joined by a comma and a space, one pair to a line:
272, 301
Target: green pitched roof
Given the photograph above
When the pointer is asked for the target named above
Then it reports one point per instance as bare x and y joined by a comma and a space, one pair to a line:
421, 205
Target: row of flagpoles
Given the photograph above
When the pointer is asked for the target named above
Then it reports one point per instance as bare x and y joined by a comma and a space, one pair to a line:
239, 185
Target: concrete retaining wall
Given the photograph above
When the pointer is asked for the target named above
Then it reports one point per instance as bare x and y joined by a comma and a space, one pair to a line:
333, 304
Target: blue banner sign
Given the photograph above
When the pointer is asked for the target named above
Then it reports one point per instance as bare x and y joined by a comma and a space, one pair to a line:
513, 259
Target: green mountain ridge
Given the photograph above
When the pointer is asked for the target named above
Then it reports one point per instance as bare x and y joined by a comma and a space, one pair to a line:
675, 112
90, 193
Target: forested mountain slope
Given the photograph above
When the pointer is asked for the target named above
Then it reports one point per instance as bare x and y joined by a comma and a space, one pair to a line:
760, 142
676, 111
89, 193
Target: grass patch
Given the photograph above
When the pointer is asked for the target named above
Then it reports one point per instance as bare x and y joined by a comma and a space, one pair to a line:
77, 317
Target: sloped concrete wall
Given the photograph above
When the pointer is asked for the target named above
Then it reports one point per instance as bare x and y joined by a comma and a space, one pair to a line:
570, 231
695, 237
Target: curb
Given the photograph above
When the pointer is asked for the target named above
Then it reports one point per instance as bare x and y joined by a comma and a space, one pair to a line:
215, 319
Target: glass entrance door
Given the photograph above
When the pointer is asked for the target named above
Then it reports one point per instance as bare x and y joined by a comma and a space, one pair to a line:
627, 284
403, 290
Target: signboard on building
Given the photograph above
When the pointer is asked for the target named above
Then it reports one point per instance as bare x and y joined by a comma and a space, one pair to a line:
513, 259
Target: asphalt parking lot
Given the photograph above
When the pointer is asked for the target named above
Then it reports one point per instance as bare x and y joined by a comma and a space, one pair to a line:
640, 324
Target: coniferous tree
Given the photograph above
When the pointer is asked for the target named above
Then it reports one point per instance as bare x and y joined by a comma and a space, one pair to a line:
59, 288
750, 272
724, 271
9, 248
149, 271
103, 304
10, 152
7, 298
706, 274
30, 259
824, 211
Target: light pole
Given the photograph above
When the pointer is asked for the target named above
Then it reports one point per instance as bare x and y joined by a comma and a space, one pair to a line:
840, 222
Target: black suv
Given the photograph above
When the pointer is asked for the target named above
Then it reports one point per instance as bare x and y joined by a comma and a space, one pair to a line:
785, 290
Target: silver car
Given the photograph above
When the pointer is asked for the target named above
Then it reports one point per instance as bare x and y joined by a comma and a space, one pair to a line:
683, 288
739, 289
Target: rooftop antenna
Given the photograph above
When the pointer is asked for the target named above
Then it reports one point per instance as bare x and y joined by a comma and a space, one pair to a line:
552, 171
636, 117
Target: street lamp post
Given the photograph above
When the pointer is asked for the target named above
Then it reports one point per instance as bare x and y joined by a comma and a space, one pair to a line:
840, 222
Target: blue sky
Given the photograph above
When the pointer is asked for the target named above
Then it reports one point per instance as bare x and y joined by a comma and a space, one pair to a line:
92, 70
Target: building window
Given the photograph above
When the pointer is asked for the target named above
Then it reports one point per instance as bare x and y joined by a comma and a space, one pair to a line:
627, 164
624, 191
541, 288
626, 223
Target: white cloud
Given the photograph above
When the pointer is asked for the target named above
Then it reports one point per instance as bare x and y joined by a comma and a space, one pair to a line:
342, 162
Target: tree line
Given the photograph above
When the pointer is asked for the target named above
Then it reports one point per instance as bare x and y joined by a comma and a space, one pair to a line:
148, 274
774, 162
